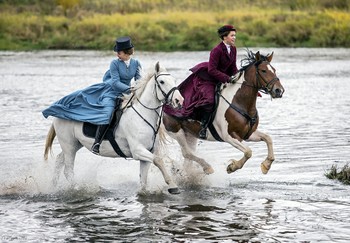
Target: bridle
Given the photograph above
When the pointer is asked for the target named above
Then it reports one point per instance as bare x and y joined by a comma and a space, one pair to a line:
171, 91
259, 78
268, 84
259, 87
156, 109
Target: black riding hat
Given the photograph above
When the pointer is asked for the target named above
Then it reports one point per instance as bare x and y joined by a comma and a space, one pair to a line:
123, 43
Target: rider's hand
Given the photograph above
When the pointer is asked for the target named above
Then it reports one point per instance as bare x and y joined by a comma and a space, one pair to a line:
234, 78
132, 89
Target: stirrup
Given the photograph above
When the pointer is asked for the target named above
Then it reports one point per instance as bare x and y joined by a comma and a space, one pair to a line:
96, 148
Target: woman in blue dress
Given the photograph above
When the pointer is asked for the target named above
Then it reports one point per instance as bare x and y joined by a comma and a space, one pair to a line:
96, 103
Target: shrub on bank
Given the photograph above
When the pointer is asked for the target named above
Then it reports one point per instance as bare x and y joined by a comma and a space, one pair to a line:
175, 31
342, 175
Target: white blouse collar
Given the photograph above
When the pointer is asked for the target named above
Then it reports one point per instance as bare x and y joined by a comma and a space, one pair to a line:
127, 63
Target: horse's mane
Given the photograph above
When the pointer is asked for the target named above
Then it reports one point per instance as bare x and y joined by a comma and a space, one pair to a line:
250, 59
138, 88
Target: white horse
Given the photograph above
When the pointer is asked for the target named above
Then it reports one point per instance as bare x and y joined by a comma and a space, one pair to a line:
136, 133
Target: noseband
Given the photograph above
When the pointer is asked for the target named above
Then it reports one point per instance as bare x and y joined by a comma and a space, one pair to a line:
268, 84
171, 91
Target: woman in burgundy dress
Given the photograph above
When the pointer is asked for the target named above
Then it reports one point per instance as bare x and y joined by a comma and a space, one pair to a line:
198, 89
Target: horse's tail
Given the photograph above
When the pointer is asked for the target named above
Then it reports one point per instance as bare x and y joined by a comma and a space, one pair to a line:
49, 140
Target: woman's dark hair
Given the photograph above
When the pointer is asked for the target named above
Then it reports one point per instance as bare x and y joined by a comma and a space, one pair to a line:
223, 34
225, 30
129, 51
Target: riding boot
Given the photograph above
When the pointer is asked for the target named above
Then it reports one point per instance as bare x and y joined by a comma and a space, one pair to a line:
204, 125
100, 133
118, 111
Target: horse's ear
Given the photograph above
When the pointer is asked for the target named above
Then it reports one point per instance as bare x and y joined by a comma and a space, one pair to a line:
269, 57
257, 56
157, 67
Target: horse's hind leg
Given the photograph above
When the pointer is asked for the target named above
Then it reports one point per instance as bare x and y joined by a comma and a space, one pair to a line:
59, 163
66, 161
192, 146
69, 149
258, 136
188, 145
69, 167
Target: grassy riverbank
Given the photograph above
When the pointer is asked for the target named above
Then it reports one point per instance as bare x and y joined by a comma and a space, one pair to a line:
161, 25
342, 175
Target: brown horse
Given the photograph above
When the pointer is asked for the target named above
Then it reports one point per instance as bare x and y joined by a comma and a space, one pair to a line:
236, 118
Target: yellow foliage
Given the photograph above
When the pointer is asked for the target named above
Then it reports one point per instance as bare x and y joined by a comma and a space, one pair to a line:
67, 4
179, 30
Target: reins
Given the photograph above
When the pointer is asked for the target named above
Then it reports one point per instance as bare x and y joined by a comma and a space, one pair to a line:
259, 87
155, 109
171, 91
265, 89
251, 119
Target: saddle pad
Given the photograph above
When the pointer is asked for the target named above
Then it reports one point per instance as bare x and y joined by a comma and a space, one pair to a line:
89, 130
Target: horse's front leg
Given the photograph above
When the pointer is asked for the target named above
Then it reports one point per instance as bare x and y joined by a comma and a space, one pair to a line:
247, 153
144, 167
258, 136
143, 154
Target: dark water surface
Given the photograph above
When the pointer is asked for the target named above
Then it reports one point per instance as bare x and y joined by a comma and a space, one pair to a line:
294, 202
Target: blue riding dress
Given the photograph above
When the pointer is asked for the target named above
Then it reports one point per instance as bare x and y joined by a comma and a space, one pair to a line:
95, 104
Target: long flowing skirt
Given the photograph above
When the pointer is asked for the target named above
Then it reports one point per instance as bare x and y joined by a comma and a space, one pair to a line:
197, 92
94, 104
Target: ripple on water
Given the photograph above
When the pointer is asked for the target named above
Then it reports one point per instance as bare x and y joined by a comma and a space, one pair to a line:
294, 202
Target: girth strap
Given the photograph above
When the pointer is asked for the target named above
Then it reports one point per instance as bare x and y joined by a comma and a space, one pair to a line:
114, 144
251, 120
214, 133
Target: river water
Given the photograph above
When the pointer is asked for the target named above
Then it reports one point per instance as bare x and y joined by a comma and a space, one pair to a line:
294, 202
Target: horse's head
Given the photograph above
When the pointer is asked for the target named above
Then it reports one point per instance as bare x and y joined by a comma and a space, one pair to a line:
265, 75
166, 87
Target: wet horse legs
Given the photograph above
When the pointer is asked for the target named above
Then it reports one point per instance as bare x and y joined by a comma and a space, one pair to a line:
145, 156
187, 144
258, 136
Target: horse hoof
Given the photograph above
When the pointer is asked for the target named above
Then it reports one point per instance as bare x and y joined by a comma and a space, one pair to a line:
264, 170
209, 171
231, 168
174, 190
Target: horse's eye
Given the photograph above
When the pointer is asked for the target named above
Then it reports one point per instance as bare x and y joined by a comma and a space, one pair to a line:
264, 71
161, 82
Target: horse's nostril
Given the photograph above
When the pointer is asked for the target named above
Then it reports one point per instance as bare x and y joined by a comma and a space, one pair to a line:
278, 92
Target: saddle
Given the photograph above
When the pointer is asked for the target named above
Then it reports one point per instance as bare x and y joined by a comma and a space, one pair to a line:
89, 130
210, 126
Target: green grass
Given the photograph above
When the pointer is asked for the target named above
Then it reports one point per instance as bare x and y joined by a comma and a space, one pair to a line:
182, 25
